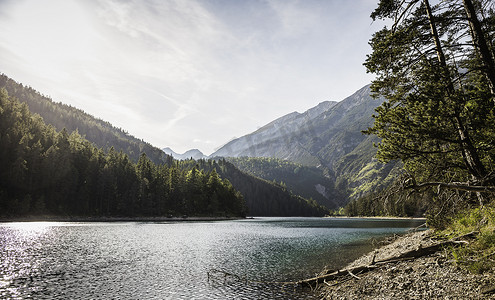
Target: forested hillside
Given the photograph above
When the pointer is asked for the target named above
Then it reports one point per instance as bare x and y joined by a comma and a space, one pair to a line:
105, 136
49, 172
359, 172
105, 180
263, 197
99, 132
309, 182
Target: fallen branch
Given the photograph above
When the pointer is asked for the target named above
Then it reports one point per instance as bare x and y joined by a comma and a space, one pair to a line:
455, 186
412, 254
352, 274
325, 282
311, 282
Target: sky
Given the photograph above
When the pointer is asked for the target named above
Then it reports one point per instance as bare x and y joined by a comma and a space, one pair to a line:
188, 74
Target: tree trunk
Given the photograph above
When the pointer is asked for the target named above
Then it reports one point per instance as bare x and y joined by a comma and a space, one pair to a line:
436, 39
481, 44
469, 153
461, 186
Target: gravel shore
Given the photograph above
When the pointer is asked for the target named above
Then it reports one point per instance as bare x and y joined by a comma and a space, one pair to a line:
434, 276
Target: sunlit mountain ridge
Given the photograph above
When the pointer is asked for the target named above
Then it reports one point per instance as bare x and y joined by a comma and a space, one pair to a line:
328, 136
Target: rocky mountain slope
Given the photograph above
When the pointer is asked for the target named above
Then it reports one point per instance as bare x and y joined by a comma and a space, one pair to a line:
328, 136
278, 138
319, 136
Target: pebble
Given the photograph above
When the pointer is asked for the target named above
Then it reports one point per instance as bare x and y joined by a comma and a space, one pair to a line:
429, 277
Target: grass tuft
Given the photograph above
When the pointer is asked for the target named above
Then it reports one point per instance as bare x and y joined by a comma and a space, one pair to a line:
479, 255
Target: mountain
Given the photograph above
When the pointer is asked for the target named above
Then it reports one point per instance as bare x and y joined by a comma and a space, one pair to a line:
318, 136
308, 182
262, 197
193, 153
329, 137
103, 134
271, 140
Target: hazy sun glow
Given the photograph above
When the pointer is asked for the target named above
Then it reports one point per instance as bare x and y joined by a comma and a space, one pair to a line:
188, 74
32, 228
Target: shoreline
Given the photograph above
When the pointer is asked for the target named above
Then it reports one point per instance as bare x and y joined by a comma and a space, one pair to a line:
433, 275
116, 219
380, 218
52, 218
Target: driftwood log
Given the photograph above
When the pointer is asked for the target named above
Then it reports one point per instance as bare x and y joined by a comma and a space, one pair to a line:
412, 254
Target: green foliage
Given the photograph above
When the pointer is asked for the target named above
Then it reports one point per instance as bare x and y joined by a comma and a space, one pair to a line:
383, 203
340, 212
476, 219
306, 181
43, 171
263, 197
101, 133
439, 113
478, 255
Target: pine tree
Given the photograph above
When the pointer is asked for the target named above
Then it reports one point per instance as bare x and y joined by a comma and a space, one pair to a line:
440, 110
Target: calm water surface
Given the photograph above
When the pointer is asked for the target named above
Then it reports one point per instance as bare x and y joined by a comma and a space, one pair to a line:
184, 260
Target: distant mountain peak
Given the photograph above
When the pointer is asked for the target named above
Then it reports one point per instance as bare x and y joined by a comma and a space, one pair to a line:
193, 153
167, 150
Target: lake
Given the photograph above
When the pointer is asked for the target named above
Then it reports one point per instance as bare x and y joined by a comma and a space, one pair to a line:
241, 259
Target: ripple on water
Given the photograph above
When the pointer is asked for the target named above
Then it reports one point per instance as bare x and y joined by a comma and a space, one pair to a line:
172, 261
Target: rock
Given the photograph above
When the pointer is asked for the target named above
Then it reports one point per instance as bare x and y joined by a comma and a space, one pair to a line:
488, 289
428, 277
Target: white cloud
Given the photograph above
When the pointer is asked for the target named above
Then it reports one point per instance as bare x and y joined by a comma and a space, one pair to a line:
295, 17
186, 73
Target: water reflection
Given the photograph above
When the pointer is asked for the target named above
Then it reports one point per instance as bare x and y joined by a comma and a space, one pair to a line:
172, 261
31, 229
19, 251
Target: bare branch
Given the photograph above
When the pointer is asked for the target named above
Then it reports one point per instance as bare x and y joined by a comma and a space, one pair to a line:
462, 186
